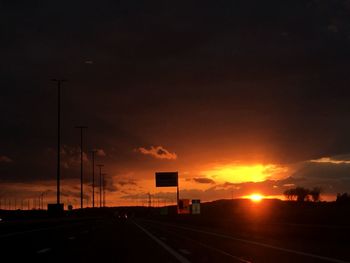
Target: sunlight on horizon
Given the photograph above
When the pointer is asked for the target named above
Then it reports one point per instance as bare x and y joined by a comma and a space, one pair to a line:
244, 173
255, 197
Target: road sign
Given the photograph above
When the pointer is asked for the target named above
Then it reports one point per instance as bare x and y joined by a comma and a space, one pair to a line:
184, 206
196, 207
166, 179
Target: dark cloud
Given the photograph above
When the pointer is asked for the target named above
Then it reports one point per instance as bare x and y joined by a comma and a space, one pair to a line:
256, 81
161, 152
74, 194
5, 159
203, 180
158, 152
323, 171
127, 182
110, 186
101, 152
70, 157
330, 177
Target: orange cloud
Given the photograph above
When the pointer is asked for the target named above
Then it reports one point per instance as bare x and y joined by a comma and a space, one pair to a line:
158, 152
330, 161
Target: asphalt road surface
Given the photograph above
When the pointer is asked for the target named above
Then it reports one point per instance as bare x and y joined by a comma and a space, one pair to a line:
145, 240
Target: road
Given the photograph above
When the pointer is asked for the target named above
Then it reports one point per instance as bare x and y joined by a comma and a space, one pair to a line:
146, 240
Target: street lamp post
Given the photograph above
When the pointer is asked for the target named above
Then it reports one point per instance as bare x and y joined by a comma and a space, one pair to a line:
81, 164
93, 152
59, 81
100, 166
104, 189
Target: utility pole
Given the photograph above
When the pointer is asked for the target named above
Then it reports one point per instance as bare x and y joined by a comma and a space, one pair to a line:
41, 200
93, 152
100, 165
81, 163
149, 199
104, 190
59, 81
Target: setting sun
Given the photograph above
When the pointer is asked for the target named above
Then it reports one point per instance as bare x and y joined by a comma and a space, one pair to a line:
256, 197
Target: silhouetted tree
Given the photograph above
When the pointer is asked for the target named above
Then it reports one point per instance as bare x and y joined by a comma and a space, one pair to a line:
343, 198
302, 194
315, 194
290, 194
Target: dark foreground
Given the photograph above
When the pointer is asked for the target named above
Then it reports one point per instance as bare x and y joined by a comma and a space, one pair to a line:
170, 239
226, 231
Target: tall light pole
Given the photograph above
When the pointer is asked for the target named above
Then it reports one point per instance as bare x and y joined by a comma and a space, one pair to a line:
81, 164
42, 200
93, 152
58, 81
100, 165
104, 189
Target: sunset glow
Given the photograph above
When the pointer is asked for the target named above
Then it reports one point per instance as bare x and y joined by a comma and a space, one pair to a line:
184, 101
244, 173
256, 197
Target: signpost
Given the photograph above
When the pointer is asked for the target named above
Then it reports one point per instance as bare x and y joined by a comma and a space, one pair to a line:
196, 207
168, 179
184, 206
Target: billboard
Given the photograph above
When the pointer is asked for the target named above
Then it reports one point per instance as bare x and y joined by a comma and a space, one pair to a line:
166, 179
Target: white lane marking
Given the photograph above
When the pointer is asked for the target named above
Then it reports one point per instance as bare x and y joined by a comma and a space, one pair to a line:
241, 259
259, 244
44, 250
178, 256
72, 238
185, 251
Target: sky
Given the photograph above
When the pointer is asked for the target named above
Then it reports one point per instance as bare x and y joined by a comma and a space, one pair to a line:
237, 96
